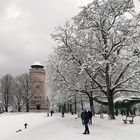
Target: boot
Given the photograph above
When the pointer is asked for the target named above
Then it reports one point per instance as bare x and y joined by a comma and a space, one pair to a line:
84, 133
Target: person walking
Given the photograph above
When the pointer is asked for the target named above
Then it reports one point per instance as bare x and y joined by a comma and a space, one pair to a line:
82, 117
90, 117
62, 111
86, 121
52, 112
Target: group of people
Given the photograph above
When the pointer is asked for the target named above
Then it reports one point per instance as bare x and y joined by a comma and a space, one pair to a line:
86, 117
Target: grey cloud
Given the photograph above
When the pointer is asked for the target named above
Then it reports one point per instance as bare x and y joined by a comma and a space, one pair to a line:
25, 28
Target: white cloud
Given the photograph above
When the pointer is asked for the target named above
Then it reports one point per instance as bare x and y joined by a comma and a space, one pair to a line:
12, 12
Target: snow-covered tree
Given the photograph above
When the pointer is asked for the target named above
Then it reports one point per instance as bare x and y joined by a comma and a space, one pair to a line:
6, 86
113, 30
97, 49
26, 88
18, 101
63, 69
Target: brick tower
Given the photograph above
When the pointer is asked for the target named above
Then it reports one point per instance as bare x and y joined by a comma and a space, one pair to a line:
39, 100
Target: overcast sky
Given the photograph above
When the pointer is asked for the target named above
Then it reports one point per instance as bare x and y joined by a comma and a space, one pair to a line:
25, 28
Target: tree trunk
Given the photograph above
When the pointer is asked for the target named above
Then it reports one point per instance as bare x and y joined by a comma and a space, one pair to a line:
91, 105
75, 104
68, 107
27, 107
71, 110
19, 107
82, 106
65, 109
59, 109
109, 93
111, 107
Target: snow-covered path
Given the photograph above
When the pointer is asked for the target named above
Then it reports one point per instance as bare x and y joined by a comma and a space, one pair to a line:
41, 127
54, 129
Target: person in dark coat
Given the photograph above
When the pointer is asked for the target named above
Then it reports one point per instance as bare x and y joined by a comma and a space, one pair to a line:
62, 111
90, 117
52, 112
82, 116
86, 121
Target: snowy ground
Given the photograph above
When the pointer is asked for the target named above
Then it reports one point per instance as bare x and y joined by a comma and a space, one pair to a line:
41, 127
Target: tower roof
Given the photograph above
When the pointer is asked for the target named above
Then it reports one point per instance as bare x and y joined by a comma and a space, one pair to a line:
37, 65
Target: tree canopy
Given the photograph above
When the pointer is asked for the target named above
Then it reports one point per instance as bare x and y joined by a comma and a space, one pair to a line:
97, 50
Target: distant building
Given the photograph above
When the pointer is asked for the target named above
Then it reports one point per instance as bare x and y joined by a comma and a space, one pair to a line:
40, 100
